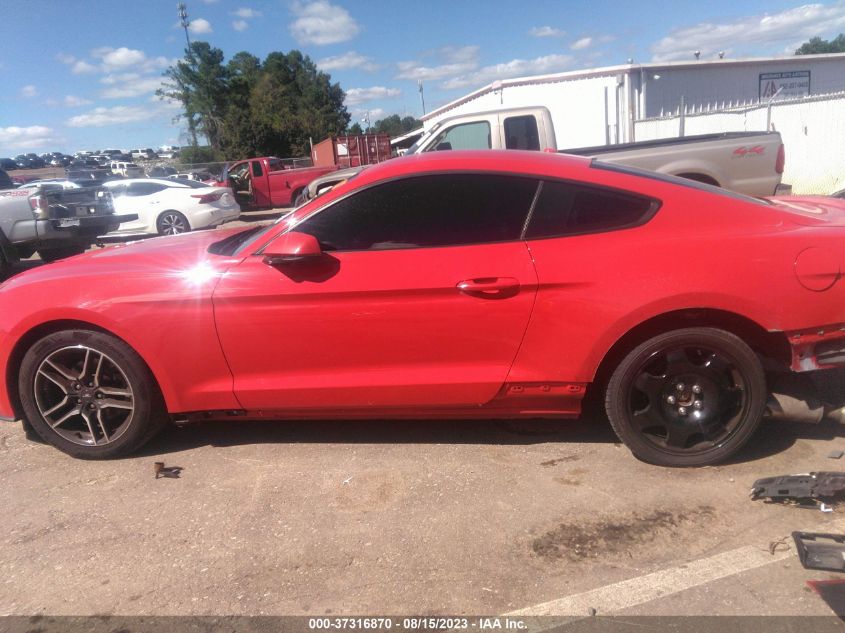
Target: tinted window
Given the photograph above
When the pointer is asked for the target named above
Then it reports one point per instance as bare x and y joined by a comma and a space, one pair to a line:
144, 188
569, 209
466, 136
436, 210
521, 133
256, 168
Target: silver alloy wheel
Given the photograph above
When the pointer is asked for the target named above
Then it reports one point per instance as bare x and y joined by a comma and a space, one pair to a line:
84, 396
173, 224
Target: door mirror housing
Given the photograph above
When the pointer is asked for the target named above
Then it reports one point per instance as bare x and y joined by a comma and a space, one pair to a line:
292, 247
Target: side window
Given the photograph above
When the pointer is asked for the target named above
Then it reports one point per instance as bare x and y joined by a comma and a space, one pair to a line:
144, 188
474, 135
118, 190
569, 209
257, 170
521, 133
434, 210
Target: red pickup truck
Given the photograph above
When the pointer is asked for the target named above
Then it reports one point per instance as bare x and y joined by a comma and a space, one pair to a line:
268, 182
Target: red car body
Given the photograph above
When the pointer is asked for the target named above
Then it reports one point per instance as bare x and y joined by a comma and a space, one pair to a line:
516, 328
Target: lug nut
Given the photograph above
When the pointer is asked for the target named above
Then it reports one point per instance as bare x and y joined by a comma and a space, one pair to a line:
92, 406
696, 389
77, 386
682, 410
696, 404
99, 395
670, 399
679, 386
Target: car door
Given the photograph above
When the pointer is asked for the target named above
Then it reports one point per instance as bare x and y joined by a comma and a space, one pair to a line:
420, 298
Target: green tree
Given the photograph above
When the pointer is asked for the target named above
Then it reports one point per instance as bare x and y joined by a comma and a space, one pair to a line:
817, 45
200, 83
248, 108
394, 126
354, 129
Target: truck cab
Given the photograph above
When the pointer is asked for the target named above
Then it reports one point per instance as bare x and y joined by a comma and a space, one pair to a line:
266, 182
527, 128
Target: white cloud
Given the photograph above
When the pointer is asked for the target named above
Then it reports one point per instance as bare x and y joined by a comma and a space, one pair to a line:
121, 57
513, 68
131, 87
348, 60
200, 26
29, 91
240, 25
458, 61
246, 12
72, 101
362, 95
546, 31
321, 22
372, 114
584, 42
83, 68
758, 33
65, 58
25, 137
100, 117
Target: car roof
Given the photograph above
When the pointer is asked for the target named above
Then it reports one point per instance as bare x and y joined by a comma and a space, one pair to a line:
511, 161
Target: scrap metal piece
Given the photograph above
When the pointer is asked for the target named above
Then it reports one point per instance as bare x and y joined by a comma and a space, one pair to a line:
835, 454
820, 551
166, 471
799, 487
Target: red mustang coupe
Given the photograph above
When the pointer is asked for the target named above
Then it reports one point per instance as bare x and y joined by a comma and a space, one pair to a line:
451, 285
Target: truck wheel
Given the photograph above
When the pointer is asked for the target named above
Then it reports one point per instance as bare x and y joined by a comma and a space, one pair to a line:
89, 394
296, 197
172, 223
48, 255
689, 397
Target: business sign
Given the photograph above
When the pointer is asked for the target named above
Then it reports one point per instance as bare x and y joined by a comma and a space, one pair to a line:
791, 84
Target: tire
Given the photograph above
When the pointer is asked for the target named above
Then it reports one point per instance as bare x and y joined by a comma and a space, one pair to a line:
48, 255
172, 223
112, 405
295, 196
689, 397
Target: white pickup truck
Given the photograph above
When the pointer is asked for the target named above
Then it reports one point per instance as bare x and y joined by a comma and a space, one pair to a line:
746, 162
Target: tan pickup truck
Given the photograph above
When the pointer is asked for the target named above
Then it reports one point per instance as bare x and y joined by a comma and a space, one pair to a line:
747, 162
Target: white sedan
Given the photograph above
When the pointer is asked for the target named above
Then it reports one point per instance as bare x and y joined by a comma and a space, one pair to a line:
167, 207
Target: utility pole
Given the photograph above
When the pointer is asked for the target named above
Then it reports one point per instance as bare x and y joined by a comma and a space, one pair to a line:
183, 21
422, 96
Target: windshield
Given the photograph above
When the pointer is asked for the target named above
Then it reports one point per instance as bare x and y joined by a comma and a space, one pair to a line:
415, 148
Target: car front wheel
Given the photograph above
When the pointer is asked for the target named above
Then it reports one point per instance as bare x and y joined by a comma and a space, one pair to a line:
689, 397
89, 394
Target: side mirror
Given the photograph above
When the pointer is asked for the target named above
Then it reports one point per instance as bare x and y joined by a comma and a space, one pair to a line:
292, 247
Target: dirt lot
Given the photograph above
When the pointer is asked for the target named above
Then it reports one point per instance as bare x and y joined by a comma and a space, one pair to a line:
406, 517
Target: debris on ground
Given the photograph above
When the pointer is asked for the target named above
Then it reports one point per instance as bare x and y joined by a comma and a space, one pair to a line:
820, 551
167, 471
803, 489
835, 454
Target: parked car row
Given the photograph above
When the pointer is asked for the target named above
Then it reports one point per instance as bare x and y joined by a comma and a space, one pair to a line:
162, 206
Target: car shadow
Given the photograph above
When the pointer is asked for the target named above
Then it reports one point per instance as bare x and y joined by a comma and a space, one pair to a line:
772, 438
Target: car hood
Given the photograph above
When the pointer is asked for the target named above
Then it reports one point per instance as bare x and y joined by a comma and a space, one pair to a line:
821, 211
178, 255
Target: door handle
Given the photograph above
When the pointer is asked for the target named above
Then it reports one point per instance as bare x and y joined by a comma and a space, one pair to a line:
490, 287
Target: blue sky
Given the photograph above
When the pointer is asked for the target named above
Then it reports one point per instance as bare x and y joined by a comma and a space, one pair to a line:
81, 74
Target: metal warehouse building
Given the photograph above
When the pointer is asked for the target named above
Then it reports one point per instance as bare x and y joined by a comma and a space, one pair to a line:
802, 97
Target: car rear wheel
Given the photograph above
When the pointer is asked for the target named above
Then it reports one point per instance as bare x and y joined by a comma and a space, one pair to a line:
89, 394
689, 397
172, 223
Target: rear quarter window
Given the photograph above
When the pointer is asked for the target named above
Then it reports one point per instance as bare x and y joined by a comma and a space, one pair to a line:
564, 209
